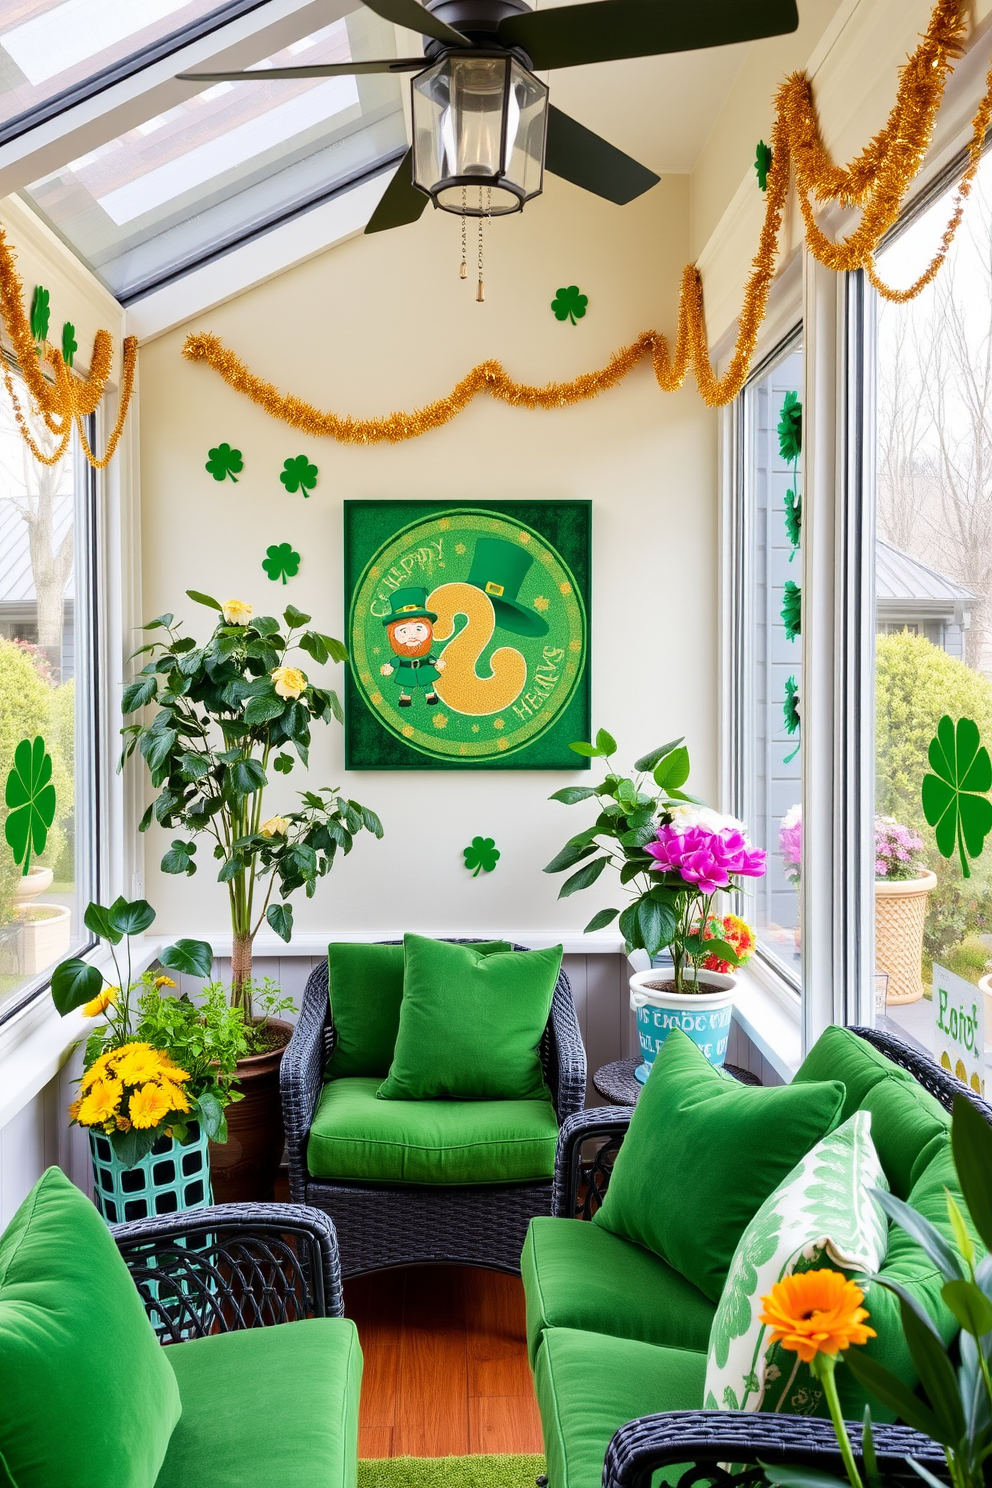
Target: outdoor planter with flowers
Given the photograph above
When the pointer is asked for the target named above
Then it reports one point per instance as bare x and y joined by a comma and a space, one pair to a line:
673, 856
229, 711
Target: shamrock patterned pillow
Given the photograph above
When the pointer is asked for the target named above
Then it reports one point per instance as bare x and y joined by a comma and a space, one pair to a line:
820, 1215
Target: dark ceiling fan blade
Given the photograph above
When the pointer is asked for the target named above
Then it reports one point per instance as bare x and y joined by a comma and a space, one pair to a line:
416, 18
317, 70
589, 161
606, 30
401, 202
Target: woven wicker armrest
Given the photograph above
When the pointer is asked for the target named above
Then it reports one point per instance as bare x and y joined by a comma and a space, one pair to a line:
301, 1075
700, 1441
232, 1266
565, 1062
580, 1184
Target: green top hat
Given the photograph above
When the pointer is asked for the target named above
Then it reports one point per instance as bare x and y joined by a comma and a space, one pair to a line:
408, 604
498, 569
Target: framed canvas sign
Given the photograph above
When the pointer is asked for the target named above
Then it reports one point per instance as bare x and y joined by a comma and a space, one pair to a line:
468, 632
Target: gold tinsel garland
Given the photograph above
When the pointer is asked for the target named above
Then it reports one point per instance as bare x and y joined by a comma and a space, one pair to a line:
877, 182
63, 400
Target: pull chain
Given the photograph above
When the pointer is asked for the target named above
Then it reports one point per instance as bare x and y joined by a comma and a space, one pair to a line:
480, 293
463, 270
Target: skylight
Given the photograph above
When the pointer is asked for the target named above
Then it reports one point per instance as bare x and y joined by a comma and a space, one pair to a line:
228, 162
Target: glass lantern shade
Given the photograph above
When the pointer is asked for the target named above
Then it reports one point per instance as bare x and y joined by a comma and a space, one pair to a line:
479, 123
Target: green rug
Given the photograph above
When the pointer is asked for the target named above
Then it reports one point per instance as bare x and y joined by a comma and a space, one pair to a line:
449, 1472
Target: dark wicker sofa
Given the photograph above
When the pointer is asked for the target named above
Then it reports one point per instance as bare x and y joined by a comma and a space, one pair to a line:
380, 1225
725, 1448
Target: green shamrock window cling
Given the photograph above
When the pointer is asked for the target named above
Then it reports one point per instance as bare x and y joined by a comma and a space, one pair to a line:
40, 314
790, 715
790, 447
569, 304
280, 561
30, 796
792, 610
483, 855
763, 164
299, 475
953, 803
69, 343
223, 461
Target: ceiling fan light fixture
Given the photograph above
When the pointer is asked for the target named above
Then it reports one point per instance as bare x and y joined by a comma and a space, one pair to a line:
479, 125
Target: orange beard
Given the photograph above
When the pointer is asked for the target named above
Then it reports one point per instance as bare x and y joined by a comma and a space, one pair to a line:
419, 648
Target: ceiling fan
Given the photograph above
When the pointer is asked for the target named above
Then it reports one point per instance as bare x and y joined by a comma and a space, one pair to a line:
483, 128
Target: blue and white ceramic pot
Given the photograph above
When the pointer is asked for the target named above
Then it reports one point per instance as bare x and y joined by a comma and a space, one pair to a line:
705, 1016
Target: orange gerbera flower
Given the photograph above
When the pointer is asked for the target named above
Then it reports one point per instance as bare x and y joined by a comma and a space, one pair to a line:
815, 1312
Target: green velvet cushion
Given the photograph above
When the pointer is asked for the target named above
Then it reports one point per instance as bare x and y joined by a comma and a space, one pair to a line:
578, 1275
905, 1118
357, 1137
365, 986
589, 1384
701, 1156
471, 1023
267, 1407
87, 1398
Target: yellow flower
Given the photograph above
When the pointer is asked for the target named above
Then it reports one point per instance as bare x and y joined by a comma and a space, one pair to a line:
815, 1312
98, 1070
289, 682
74, 1110
149, 1105
175, 1095
123, 1124
236, 612
100, 1003
136, 1063
164, 981
276, 826
99, 1105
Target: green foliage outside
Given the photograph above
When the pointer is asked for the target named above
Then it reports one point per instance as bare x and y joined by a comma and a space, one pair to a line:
916, 683
30, 705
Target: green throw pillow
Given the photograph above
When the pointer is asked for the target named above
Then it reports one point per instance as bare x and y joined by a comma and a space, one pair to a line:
471, 1023
365, 985
701, 1156
87, 1396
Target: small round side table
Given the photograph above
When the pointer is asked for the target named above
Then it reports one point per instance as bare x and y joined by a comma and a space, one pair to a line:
618, 1084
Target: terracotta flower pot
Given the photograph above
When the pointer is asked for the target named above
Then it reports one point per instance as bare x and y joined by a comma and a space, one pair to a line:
900, 915
243, 1169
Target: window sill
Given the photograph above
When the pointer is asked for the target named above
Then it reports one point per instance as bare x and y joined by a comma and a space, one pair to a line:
769, 1013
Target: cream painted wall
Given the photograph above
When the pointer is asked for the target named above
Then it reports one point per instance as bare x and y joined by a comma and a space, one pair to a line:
385, 322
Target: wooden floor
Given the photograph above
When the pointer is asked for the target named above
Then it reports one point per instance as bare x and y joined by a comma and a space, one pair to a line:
446, 1369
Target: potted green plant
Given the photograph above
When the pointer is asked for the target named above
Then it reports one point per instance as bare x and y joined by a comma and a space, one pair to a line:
674, 856
158, 1073
230, 710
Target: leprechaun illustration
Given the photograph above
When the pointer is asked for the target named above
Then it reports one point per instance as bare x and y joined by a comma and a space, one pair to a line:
410, 628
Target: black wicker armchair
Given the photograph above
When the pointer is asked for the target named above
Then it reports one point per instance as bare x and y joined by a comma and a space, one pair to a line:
380, 1225
232, 1266
725, 1448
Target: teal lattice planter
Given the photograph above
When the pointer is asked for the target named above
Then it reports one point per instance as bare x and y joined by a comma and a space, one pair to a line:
171, 1177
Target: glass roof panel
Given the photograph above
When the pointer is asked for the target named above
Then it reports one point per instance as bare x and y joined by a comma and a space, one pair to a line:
227, 162
49, 46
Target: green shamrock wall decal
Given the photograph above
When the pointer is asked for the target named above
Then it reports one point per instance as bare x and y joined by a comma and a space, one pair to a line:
69, 344
790, 715
223, 462
763, 164
569, 304
483, 855
31, 798
792, 610
952, 805
280, 561
299, 475
40, 314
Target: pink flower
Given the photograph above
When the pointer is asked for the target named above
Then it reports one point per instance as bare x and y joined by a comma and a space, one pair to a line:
704, 858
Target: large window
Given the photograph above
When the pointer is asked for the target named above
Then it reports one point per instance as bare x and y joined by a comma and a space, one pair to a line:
47, 646
933, 581
768, 682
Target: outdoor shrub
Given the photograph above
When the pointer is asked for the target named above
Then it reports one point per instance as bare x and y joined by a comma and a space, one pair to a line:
970, 959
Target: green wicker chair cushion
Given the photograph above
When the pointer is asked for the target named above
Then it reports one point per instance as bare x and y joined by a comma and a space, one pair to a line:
702, 1155
578, 1275
365, 986
357, 1137
905, 1118
471, 1024
267, 1405
86, 1395
589, 1384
